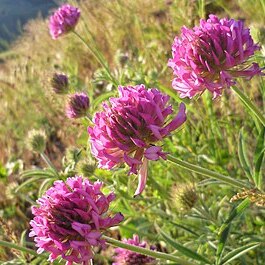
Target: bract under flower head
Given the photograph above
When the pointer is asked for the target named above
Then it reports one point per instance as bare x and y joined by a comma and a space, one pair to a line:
211, 56
70, 219
128, 129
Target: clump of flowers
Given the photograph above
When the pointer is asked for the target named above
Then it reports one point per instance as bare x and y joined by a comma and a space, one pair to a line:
63, 20
60, 83
77, 106
128, 129
127, 257
211, 56
37, 140
71, 218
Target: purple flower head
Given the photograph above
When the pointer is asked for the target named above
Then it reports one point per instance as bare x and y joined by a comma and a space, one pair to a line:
63, 20
70, 219
211, 56
127, 130
59, 83
78, 105
127, 257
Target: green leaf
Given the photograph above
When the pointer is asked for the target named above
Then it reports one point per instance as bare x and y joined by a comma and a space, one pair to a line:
185, 228
222, 242
258, 158
225, 228
44, 186
102, 97
21, 248
236, 253
185, 251
243, 156
3, 171
236, 212
27, 182
30, 173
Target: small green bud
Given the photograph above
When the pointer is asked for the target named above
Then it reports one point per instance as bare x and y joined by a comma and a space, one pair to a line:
86, 168
37, 140
184, 196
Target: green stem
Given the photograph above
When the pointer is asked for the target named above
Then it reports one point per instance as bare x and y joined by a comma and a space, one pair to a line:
146, 252
253, 108
98, 58
48, 161
207, 172
23, 249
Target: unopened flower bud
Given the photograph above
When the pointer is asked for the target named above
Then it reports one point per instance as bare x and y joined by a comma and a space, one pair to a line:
59, 83
78, 105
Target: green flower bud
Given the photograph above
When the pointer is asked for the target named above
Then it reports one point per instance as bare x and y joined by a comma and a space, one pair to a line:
37, 140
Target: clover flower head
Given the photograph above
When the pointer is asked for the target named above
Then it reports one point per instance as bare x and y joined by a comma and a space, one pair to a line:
211, 56
127, 257
77, 106
63, 20
129, 128
70, 219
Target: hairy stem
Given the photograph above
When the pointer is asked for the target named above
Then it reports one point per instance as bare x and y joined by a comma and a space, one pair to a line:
206, 172
252, 107
99, 58
146, 252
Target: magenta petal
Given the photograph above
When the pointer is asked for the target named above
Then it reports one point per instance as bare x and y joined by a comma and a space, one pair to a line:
153, 153
142, 177
178, 120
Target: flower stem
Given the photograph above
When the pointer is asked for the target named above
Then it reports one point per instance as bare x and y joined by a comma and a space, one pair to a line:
98, 58
252, 107
207, 172
48, 161
20, 248
146, 252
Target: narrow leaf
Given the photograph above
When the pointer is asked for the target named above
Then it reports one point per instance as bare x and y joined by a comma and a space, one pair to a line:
102, 98
243, 156
222, 243
185, 251
258, 158
225, 228
27, 182
30, 173
236, 253
236, 212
